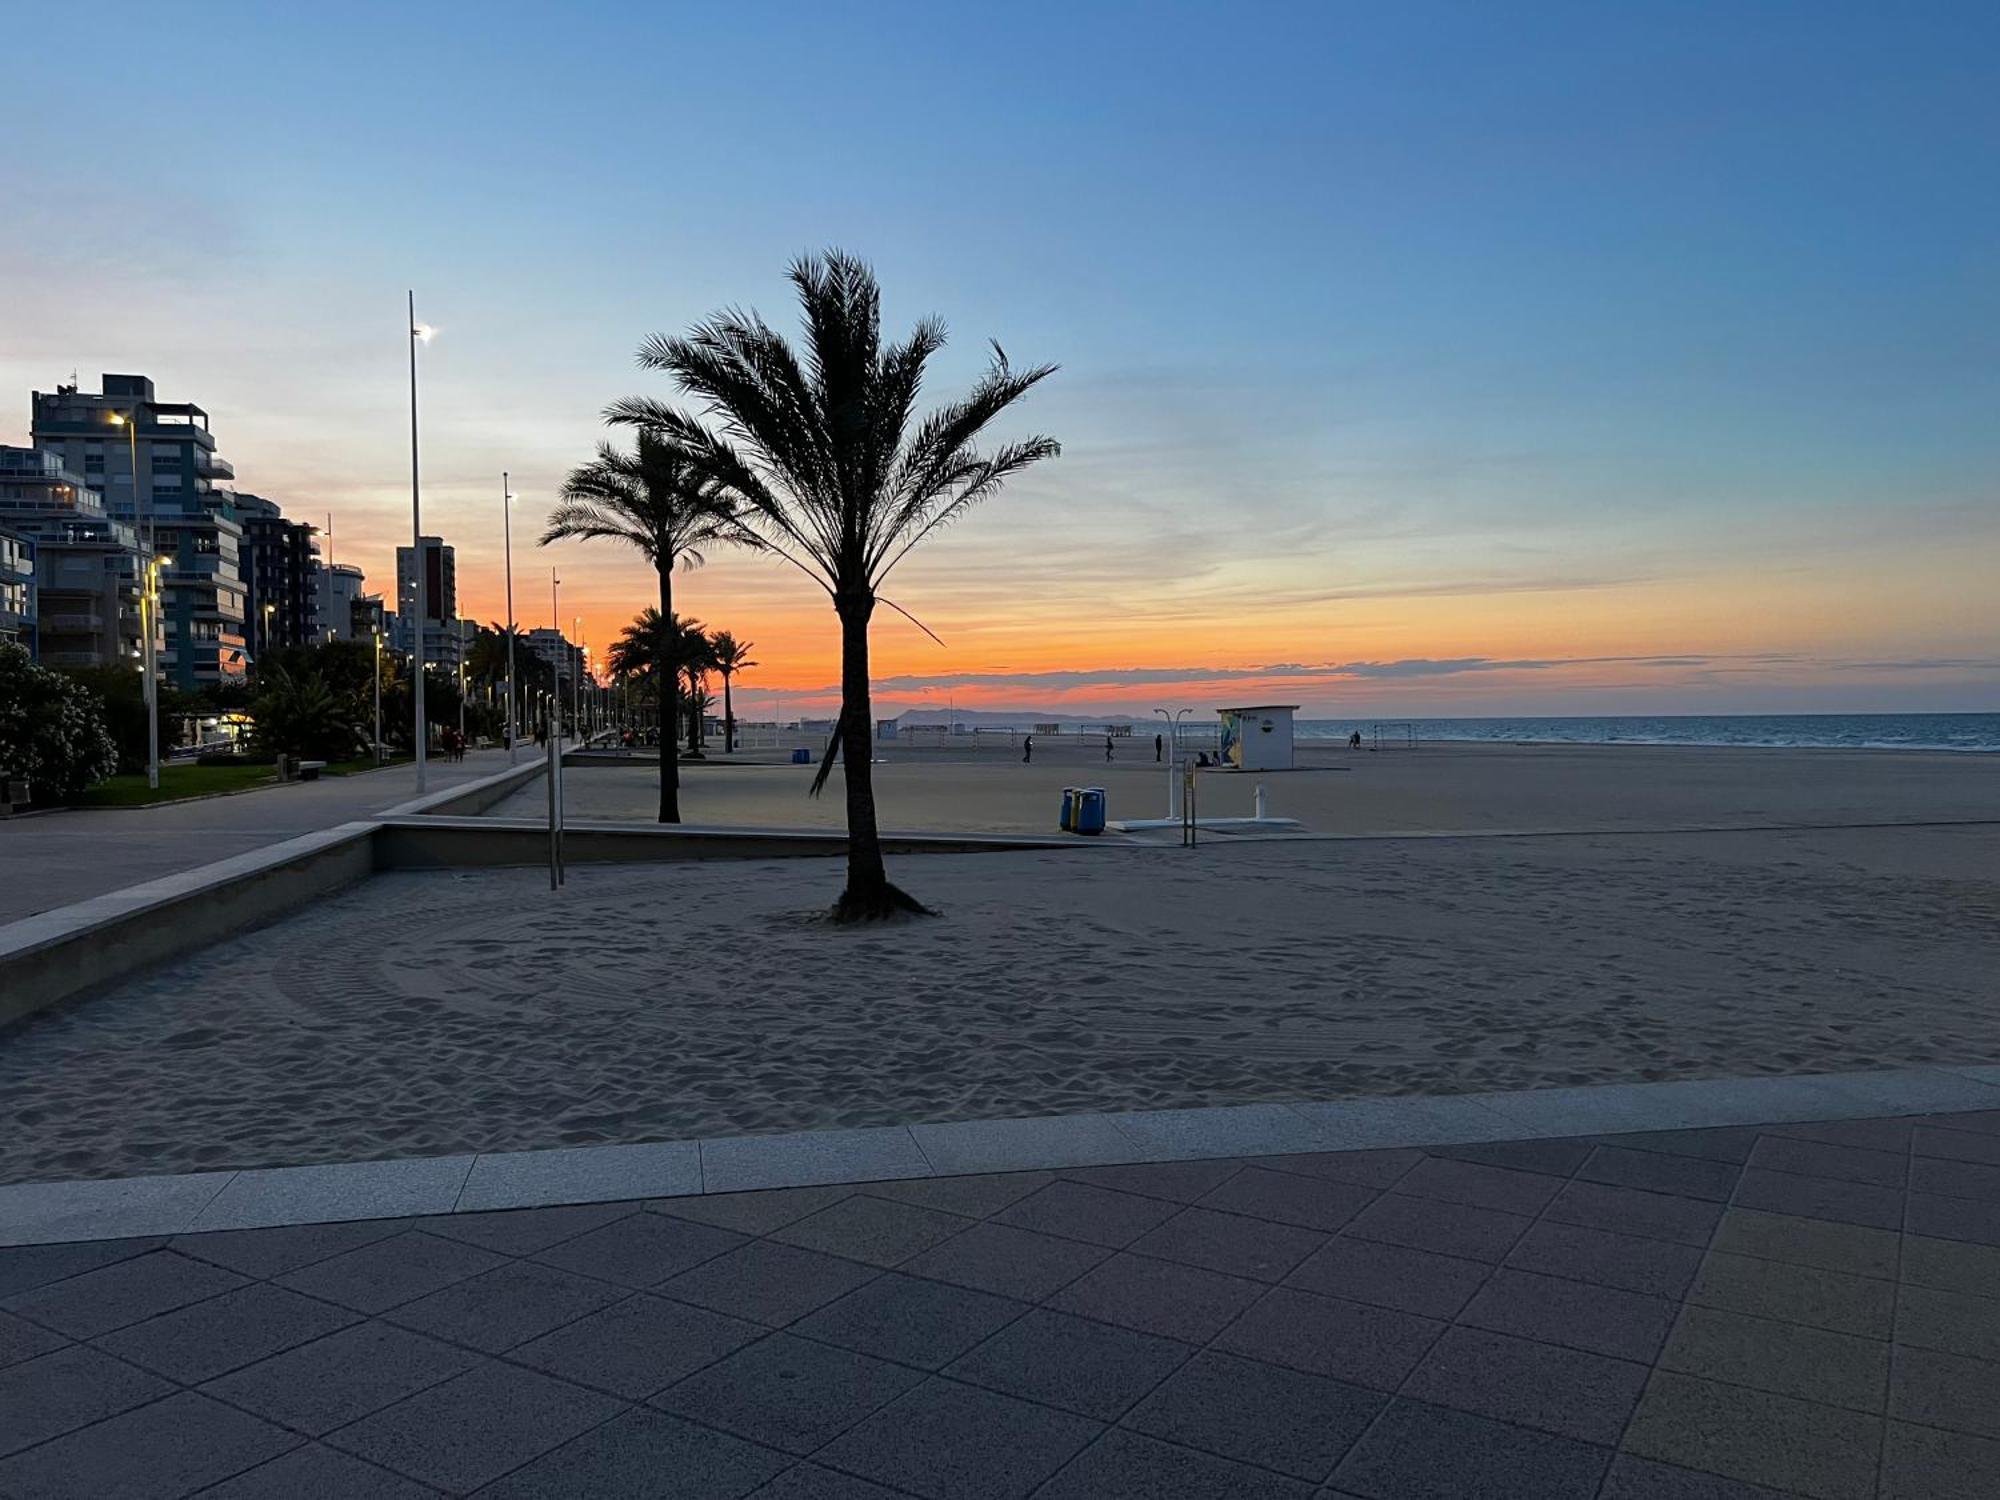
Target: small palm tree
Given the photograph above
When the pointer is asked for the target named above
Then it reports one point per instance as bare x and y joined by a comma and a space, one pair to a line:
656, 500
655, 650
731, 656
831, 466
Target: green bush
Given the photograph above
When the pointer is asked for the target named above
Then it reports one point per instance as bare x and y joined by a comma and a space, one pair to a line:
301, 717
51, 729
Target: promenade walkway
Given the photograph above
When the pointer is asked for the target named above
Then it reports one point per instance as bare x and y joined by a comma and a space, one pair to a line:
1714, 1314
52, 859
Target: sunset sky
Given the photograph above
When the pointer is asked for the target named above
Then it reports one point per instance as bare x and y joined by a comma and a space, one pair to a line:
1425, 358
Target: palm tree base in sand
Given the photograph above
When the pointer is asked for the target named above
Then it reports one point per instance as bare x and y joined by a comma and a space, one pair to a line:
878, 905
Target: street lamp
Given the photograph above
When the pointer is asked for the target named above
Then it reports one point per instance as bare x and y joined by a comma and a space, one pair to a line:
148, 604
555, 624
507, 532
378, 694
576, 678
420, 333
269, 610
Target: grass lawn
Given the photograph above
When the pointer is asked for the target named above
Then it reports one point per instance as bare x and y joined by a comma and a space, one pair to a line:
175, 781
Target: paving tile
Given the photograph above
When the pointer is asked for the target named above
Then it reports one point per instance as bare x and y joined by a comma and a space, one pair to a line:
1157, 1296
1986, 1121
24, 1267
344, 1376
1780, 1153
1417, 1451
1952, 1265
1021, 1145
1659, 1216
50, 1213
974, 1196
922, 1323
1921, 1463
1231, 1243
267, 1253
956, 1442
1956, 1145
1012, 1262
634, 1454
1607, 1258
1869, 1135
1287, 1198
1821, 1198
20, 1339
1371, 1346
1600, 1319
1954, 1218
475, 1427
389, 1272
872, 1230
1635, 1478
816, 1157
1817, 1298
1567, 1391
70, 1388
168, 1448
581, 1174
752, 1213
193, 1344
127, 1291
316, 1472
788, 1393
1481, 1186
1798, 1446
636, 1347
523, 1231
1661, 1172
1443, 1228
1945, 1390
1852, 1248
506, 1306
1812, 1364
1177, 1181
1093, 1369
1080, 1211
1907, 1090
1298, 1424
811, 1482
1952, 1321
1414, 1281
1376, 1169
323, 1193
1727, 1144
1125, 1466
768, 1283
640, 1250
1555, 1157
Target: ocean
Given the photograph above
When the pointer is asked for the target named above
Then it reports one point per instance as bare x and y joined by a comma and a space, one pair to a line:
1975, 732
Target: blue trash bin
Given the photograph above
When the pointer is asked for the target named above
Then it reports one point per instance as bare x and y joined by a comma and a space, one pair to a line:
1068, 822
1090, 810
802, 757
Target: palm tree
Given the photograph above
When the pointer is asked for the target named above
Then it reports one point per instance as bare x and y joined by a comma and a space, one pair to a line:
834, 471
697, 661
653, 651
731, 656
653, 499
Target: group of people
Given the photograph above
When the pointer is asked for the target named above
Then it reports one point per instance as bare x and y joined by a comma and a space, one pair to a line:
452, 743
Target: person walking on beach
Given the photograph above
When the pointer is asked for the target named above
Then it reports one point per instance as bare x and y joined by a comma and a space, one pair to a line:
1028, 751
1354, 740
1159, 748
1107, 749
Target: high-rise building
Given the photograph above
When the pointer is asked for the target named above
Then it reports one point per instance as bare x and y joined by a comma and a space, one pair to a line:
337, 589
89, 568
442, 646
155, 464
17, 588
279, 561
555, 650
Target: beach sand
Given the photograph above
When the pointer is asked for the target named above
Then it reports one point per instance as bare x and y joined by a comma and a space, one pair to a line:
424, 1013
1445, 788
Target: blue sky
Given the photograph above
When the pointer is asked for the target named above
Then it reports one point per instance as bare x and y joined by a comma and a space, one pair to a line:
1550, 332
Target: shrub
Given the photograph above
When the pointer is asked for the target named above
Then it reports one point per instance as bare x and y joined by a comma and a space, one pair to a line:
300, 716
51, 729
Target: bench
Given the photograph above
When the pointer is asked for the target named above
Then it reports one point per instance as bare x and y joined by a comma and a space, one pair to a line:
309, 769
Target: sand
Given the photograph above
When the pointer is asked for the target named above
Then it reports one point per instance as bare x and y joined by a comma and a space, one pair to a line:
427, 1013
1436, 789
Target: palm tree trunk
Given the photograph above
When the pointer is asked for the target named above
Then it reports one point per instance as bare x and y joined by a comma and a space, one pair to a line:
869, 895
670, 684
728, 719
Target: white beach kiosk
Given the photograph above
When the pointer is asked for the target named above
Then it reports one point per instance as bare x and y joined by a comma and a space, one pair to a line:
1258, 737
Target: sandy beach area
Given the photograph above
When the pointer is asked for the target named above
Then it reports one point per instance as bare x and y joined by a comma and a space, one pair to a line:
1439, 788
429, 1013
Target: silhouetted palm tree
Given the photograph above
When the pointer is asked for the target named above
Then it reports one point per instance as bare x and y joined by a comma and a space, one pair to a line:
731, 656
654, 651
832, 467
656, 500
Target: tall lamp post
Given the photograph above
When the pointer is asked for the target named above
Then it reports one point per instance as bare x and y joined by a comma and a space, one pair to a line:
581, 659
461, 684
378, 693
507, 532
149, 607
555, 624
419, 334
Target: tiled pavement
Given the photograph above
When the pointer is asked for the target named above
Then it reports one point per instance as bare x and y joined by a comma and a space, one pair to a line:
1694, 1315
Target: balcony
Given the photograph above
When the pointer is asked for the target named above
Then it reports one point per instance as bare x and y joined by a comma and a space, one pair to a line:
208, 466
71, 624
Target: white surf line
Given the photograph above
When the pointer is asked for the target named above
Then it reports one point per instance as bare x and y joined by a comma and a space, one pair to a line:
37, 1213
